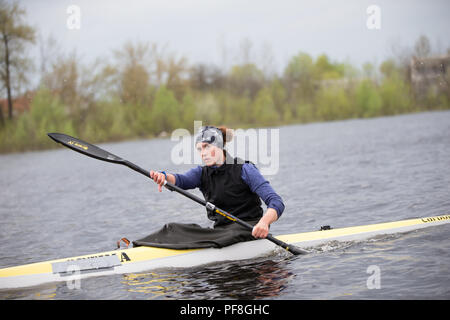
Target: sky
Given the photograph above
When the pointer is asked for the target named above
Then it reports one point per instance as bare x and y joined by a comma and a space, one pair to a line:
211, 31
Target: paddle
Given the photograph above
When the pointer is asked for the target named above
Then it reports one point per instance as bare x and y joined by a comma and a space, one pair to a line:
100, 154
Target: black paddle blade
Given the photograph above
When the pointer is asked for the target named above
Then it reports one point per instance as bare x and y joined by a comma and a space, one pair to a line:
85, 148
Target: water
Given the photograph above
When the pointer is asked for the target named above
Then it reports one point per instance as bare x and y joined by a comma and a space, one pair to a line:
59, 203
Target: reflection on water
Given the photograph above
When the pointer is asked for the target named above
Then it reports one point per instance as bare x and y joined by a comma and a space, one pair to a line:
42, 292
152, 283
233, 280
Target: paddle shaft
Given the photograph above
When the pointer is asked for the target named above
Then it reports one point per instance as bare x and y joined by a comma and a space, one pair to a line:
100, 154
171, 187
204, 203
209, 205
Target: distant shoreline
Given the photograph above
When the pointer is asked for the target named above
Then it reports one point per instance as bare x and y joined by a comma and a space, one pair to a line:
52, 146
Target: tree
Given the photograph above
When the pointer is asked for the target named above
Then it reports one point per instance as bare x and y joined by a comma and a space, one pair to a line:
267, 62
369, 70
324, 69
263, 108
422, 48
133, 62
246, 79
368, 100
62, 79
245, 48
177, 70
2, 119
278, 93
388, 68
14, 37
166, 110
206, 77
299, 78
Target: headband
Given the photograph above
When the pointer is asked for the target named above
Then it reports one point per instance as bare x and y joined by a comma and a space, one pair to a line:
211, 135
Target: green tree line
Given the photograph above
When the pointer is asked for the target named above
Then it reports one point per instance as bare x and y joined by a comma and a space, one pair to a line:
143, 90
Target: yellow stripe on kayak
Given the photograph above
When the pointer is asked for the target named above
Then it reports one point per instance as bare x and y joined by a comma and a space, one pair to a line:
125, 256
34, 268
318, 235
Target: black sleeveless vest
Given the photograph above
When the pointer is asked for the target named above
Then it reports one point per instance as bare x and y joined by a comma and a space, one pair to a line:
224, 187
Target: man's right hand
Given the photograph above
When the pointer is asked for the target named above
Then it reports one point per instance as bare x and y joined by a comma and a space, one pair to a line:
159, 178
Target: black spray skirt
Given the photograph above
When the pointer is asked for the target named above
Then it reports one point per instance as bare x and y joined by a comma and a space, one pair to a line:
192, 236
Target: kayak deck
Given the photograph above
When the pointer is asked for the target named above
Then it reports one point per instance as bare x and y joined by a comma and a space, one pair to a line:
141, 259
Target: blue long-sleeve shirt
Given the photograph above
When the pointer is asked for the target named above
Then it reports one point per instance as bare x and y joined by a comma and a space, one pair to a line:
250, 175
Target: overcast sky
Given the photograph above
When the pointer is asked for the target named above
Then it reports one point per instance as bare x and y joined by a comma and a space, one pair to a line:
198, 29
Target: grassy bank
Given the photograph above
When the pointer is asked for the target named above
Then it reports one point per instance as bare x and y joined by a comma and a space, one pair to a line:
111, 120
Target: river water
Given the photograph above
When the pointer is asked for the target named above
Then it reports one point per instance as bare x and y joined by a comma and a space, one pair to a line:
58, 203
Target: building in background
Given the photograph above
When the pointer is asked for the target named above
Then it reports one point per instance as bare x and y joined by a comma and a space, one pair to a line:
430, 75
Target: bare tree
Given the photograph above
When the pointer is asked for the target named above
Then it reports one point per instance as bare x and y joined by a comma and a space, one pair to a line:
267, 61
223, 51
62, 78
205, 77
2, 119
401, 55
49, 52
134, 75
177, 75
245, 47
422, 48
15, 34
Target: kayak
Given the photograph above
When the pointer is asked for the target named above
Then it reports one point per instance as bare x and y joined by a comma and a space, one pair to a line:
140, 259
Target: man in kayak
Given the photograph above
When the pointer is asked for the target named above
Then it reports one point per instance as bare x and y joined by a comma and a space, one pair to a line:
231, 184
